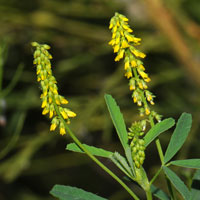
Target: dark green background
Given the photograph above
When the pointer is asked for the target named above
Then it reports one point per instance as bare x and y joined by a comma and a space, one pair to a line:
83, 64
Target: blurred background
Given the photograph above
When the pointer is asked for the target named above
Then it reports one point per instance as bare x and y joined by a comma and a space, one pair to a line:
33, 159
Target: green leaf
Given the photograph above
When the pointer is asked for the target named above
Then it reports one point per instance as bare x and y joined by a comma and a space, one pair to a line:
93, 150
72, 193
179, 136
121, 163
159, 193
177, 182
189, 163
117, 119
195, 189
156, 130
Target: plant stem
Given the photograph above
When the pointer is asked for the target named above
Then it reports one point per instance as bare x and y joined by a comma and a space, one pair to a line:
158, 145
155, 176
161, 155
76, 140
149, 195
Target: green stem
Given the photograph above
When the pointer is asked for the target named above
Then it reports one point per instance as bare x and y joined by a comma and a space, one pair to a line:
155, 176
76, 140
158, 145
149, 195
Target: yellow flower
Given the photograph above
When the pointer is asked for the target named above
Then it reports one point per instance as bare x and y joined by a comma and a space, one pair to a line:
124, 44
70, 113
53, 127
116, 48
117, 40
111, 26
45, 111
44, 103
63, 100
120, 55
128, 74
123, 18
112, 42
64, 114
62, 131
133, 63
127, 65
147, 111
143, 74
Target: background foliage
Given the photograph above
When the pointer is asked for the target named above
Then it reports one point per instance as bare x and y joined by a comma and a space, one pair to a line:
32, 158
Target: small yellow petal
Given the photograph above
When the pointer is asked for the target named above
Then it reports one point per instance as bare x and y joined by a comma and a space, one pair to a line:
64, 114
64, 101
128, 74
62, 131
71, 114
53, 127
51, 114
111, 25
116, 48
133, 63
114, 29
126, 66
44, 103
147, 111
125, 44
45, 111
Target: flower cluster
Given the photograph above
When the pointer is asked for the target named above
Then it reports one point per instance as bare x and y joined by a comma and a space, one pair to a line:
51, 100
123, 43
137, 144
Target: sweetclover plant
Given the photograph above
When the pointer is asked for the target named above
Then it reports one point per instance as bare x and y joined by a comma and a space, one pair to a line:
135, 139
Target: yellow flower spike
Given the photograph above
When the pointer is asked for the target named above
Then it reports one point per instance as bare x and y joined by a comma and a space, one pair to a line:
50, 97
